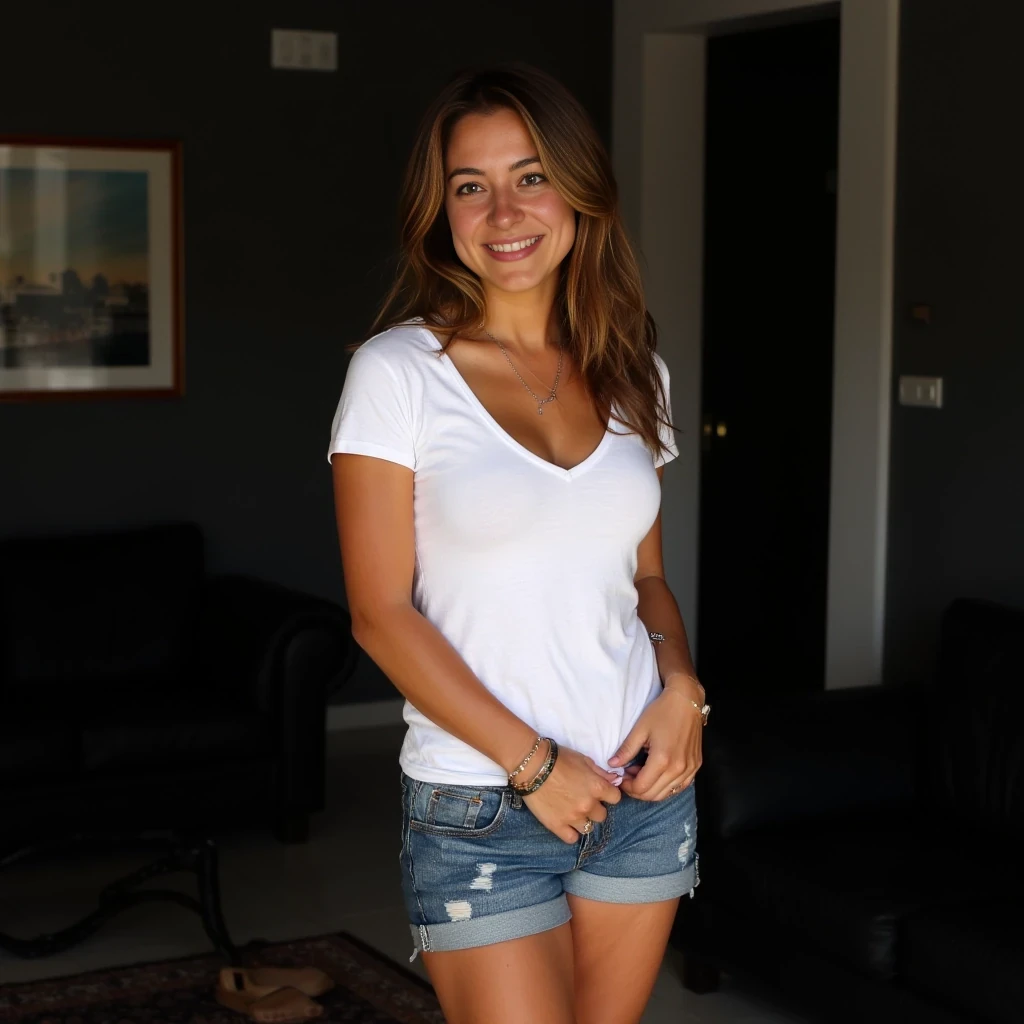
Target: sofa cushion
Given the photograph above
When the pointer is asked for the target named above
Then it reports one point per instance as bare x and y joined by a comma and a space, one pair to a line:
802, 757
970, 956
216, 795
844, 890
179, 728
100, 608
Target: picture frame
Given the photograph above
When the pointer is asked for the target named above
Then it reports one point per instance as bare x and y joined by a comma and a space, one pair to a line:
91, 269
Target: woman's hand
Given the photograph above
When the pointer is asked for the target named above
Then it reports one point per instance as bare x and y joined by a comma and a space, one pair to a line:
670, 730
576, 789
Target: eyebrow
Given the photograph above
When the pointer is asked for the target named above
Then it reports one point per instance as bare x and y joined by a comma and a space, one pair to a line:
518, 165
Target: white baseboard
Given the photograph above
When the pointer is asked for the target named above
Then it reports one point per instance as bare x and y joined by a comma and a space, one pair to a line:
364, 715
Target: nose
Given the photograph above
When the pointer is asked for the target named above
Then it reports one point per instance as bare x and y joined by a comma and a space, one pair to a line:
505, 211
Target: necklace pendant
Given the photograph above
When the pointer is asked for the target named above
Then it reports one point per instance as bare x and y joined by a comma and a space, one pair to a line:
540, 410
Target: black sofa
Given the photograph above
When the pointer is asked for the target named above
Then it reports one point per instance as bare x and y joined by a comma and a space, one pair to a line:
139, 692
863, 850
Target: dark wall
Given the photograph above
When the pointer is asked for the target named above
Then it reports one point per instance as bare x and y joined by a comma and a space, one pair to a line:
956, 523
289, 197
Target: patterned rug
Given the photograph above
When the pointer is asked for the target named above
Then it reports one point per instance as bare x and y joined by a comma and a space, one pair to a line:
370, 989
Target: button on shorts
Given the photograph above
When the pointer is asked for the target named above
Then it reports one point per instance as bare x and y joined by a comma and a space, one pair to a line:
479, 868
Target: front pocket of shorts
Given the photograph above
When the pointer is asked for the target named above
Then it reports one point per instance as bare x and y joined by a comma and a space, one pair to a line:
463, 811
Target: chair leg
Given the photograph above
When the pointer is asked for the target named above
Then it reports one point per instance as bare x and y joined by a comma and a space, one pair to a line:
699, 976
292, 827
176, 854
208, 874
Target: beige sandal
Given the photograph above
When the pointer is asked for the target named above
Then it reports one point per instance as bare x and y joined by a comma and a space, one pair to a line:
266, 1004
310, 980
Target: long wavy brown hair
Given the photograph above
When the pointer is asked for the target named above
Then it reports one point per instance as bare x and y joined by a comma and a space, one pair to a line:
600, 307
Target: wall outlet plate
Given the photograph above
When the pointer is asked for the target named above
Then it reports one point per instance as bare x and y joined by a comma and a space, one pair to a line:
924, 392
303, 51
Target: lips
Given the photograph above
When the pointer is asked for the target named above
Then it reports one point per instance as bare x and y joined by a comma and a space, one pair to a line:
513, 248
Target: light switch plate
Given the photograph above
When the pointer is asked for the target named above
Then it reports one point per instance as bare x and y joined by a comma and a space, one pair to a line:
303, 51
925, 392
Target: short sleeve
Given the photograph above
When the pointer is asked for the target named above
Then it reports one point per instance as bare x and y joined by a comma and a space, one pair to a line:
665, 432
373, 417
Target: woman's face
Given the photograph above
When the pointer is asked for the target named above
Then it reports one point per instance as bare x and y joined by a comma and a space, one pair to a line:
509, 225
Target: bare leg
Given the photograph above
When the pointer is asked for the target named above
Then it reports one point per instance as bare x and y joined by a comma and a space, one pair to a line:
529, 979
617, 952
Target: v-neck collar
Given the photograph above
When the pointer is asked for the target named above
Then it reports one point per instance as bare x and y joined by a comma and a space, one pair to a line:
481, 410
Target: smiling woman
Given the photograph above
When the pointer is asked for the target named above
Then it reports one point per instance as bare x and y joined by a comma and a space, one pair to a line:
503, 567
539, 173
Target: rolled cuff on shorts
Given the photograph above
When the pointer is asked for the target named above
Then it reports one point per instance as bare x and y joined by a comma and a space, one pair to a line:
483, 931
652, 889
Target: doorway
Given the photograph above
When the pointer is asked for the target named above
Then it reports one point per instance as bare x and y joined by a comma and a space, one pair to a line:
771, 153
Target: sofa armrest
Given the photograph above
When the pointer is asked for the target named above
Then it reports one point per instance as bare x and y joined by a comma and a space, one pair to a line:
282, 652
806, 756
254, 633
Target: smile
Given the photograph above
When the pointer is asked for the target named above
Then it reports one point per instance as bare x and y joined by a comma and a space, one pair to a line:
509, 252
524, 243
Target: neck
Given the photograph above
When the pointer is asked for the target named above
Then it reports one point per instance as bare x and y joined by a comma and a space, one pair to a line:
524, 320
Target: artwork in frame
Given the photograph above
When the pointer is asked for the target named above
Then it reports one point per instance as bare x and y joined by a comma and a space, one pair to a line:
90, 269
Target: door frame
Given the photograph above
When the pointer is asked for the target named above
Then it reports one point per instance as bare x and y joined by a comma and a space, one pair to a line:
658, 153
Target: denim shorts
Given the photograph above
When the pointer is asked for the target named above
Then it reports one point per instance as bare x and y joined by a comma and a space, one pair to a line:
479, 868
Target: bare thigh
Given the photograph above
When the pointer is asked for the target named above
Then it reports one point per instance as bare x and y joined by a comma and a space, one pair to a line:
528, 979
617, 953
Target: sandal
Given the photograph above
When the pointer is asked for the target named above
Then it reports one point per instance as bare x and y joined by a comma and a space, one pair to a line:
310, 980
266, 1004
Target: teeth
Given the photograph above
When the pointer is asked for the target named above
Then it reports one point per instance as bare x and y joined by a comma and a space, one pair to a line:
515, 246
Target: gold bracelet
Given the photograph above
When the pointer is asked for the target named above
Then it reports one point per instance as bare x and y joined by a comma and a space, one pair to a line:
526, 760
685, 675
703, 710
543, 772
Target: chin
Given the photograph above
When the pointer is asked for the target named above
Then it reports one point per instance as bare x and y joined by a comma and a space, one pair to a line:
515, 279
516, 283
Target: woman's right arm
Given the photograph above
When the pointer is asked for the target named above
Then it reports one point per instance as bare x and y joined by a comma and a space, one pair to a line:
374, 506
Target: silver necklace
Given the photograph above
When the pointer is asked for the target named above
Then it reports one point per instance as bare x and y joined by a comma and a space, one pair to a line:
541, 402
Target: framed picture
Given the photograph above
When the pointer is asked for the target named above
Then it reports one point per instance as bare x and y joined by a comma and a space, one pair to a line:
90, 269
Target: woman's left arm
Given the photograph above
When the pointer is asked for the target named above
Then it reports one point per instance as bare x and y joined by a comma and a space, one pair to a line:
670, 727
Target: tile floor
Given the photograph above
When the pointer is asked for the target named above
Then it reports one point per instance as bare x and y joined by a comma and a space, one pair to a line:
345, 879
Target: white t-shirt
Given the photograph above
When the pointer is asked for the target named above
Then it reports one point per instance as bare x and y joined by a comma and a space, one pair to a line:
526, 568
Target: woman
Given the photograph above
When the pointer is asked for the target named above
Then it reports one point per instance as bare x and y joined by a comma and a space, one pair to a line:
497, 455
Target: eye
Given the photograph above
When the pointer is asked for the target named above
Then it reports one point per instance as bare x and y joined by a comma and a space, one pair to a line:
533, 178
465, 190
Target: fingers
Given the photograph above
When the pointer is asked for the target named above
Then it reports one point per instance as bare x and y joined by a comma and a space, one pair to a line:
631, 746
654, 774
659, 778
582, 826
601, 772
605, 790
676, 786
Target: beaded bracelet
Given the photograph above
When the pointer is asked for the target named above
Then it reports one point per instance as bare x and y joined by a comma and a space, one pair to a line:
526, 760
543, 772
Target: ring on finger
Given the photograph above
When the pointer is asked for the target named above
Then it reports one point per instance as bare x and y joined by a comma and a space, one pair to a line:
587, 828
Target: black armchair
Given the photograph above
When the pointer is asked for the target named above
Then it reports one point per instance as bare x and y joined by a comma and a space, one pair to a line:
137, 692
862, 849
